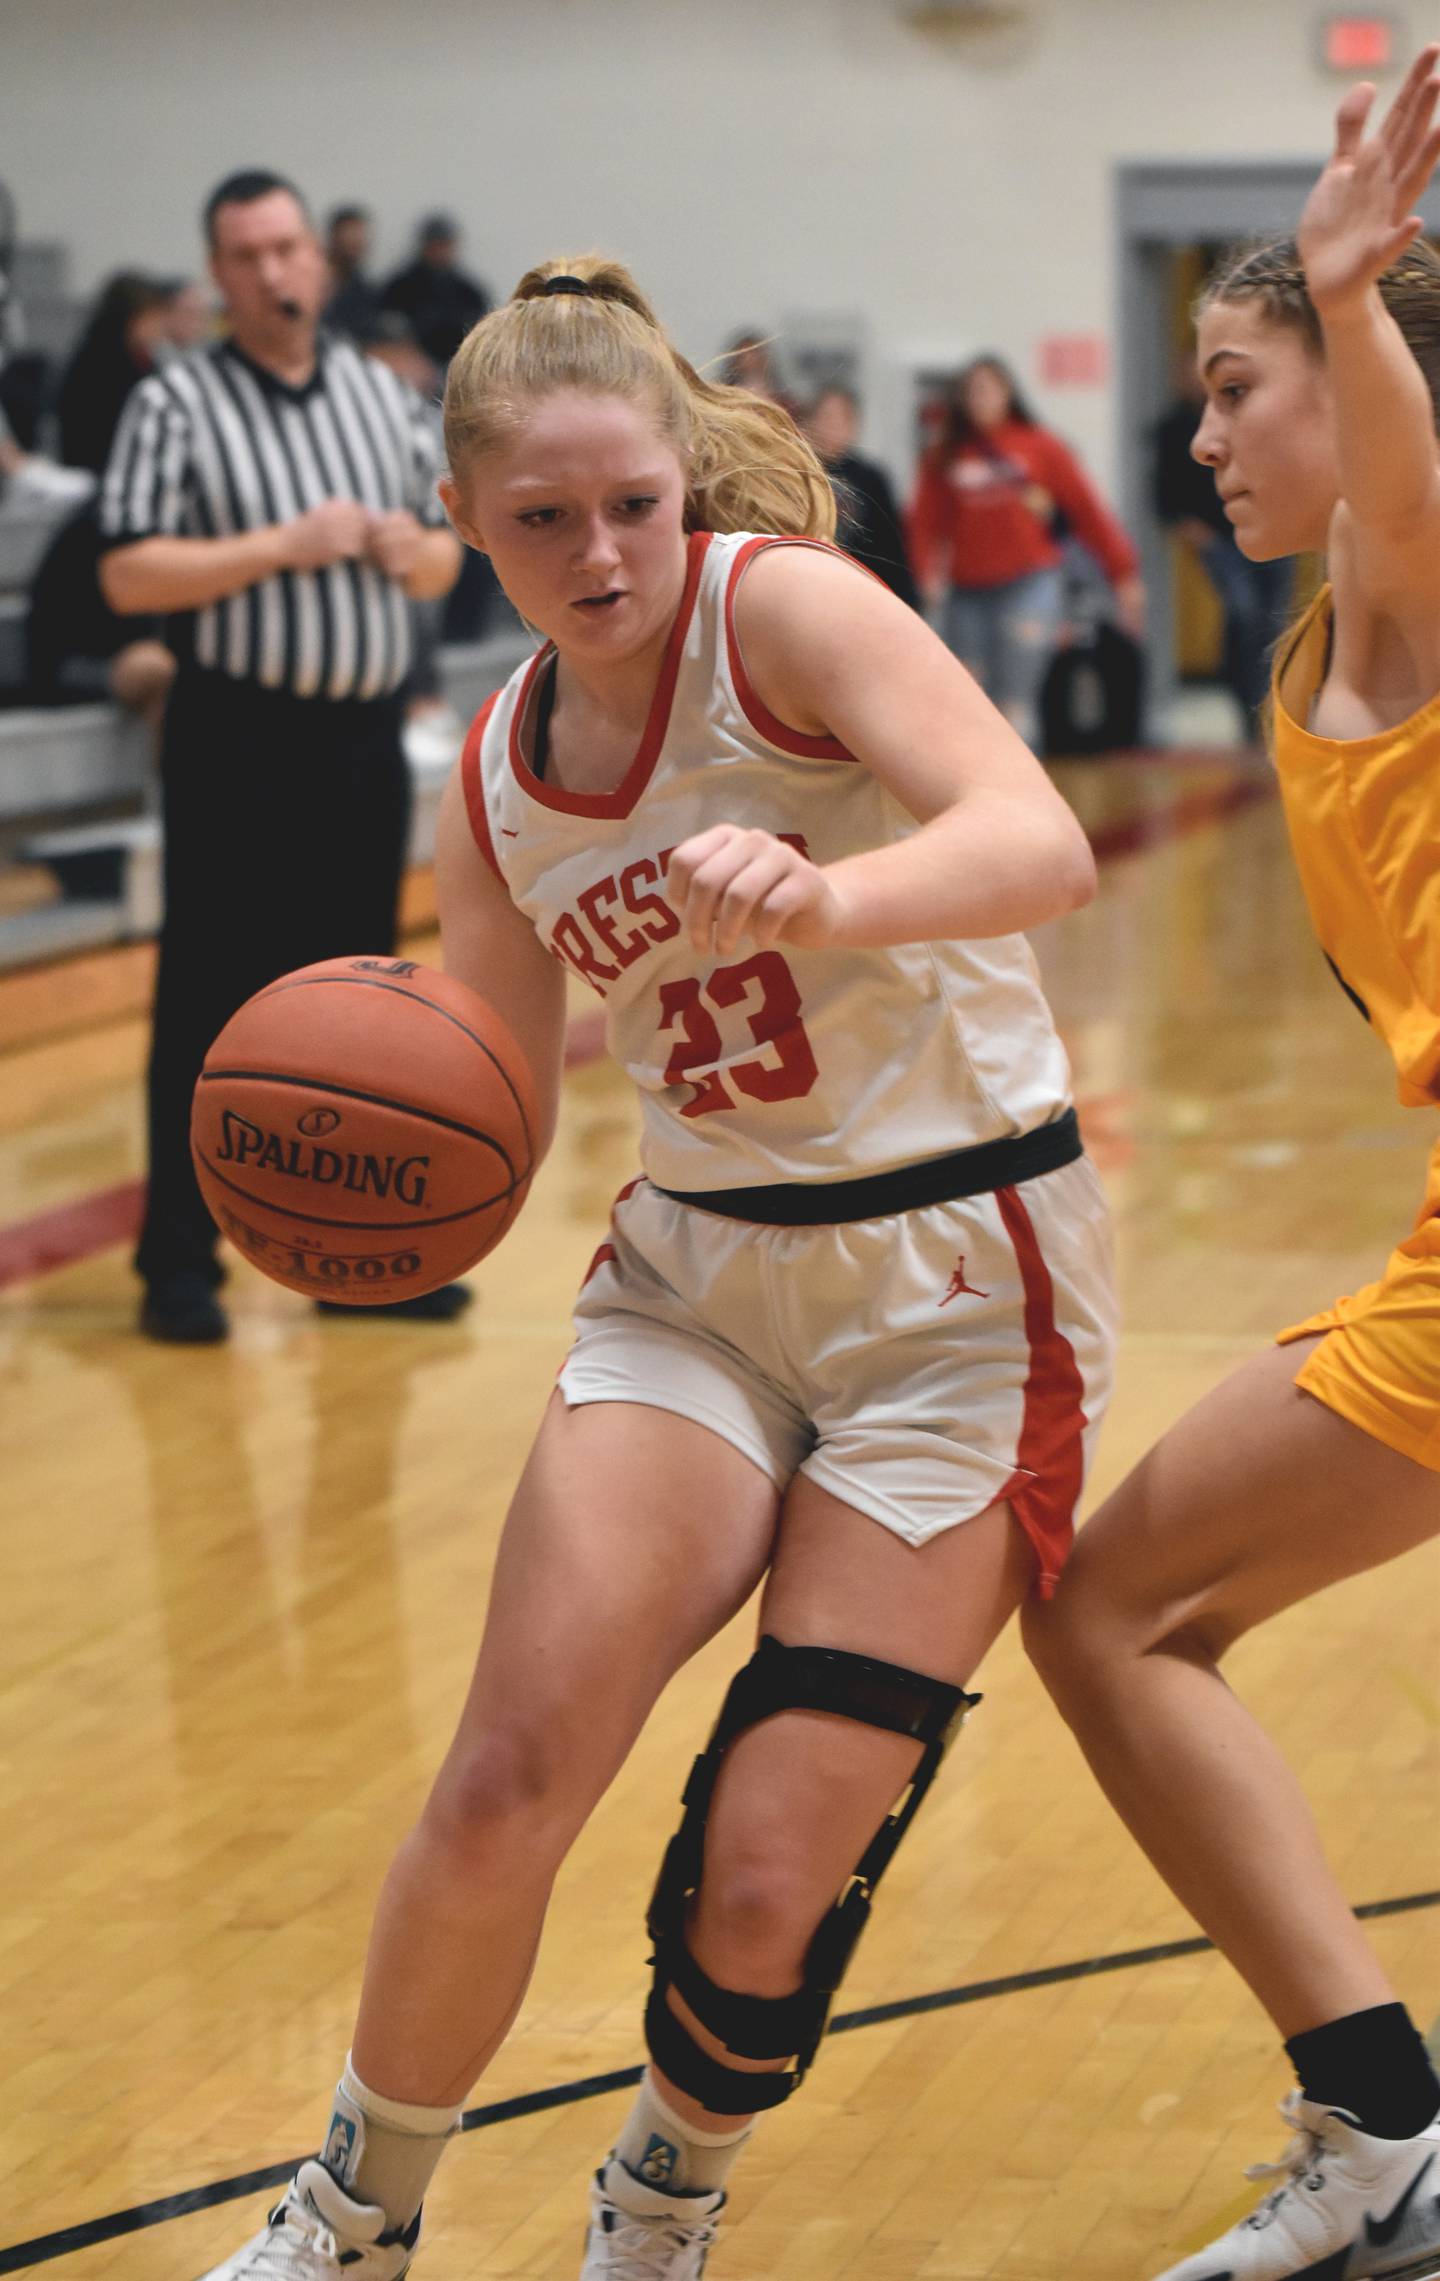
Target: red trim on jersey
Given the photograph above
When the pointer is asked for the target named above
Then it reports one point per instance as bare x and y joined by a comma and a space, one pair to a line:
1045, 1488
473, 786
628, 791
752, 704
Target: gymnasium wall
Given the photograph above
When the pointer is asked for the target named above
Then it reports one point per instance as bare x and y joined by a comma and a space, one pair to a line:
753, 159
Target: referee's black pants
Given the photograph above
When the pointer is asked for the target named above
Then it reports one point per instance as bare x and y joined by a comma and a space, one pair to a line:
286, 821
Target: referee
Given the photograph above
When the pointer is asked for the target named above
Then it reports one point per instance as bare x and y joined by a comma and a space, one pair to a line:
273, 497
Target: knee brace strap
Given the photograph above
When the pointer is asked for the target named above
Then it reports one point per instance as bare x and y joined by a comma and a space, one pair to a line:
776, 1679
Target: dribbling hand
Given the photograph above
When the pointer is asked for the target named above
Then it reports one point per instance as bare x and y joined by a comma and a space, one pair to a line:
729, 883
1359, 217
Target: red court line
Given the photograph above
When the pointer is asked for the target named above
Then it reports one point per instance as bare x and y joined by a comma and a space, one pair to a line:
1129, 835
68, 1232
72, 1232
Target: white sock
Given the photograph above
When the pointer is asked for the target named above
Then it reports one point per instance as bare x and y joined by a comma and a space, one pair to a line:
668, 2154
383, 2151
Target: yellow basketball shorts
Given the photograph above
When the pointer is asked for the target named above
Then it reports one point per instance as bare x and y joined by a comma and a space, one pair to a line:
920, 1366
1379, 1365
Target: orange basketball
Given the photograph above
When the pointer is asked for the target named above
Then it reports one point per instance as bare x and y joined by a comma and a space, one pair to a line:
364, 1129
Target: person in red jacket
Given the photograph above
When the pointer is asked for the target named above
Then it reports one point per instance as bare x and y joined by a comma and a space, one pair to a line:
983, 538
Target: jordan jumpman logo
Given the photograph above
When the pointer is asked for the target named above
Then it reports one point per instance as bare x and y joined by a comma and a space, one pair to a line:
958, 1284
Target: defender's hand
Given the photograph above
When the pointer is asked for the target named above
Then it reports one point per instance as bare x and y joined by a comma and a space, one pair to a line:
1359, 217
728, 883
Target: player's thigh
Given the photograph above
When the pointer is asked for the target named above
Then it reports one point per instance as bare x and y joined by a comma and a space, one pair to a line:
1258, 1497
633, 1536
810, 1789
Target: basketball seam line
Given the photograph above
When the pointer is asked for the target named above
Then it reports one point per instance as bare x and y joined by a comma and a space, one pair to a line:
417, 998
372, 1100
410, 1228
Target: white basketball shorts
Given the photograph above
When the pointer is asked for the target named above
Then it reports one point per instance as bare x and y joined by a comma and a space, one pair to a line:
920, 1366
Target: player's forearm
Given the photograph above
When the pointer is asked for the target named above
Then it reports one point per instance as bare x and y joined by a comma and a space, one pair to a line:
437, 566
991, 865
1384, 419
163, 574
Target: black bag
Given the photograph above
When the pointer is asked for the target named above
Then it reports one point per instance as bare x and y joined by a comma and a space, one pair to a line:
1093, 696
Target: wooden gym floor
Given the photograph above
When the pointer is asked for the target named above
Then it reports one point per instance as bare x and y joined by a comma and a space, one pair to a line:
243, 1587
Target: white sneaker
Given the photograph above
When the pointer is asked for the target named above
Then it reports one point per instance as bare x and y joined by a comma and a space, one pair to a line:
316, 2232
637, 2234
41, 486
1351, 2207
433, 738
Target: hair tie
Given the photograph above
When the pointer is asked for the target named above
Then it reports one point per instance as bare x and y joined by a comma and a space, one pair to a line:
567, 285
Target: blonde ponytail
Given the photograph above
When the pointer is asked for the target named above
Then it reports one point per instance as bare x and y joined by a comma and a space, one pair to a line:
748, 468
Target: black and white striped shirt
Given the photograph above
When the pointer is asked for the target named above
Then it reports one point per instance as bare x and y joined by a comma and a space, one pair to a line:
213, 444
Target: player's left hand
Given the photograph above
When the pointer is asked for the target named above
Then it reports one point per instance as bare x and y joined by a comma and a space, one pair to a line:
1360, 215
395, 542
729, 883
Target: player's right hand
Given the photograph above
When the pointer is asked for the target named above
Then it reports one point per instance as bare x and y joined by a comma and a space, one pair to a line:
1359, 218
336, 531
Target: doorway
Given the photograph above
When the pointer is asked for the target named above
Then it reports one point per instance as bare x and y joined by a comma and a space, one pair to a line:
1171, 218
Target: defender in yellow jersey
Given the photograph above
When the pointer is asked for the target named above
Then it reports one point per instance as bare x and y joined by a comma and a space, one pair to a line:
1321, 359
1364, 820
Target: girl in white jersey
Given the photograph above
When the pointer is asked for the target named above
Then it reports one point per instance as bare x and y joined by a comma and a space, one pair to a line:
859, 1298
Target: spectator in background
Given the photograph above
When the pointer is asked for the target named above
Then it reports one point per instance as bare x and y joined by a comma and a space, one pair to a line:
121, 342
441, 302
390, 339
286, 790
189, 318
867, 517
434, 731
354, 303
77, 649
985, 544
1254, 597
746, 362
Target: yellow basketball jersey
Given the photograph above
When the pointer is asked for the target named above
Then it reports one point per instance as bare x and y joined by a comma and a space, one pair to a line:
1364, 819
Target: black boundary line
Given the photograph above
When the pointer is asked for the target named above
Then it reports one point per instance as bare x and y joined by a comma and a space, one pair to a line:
146, 2214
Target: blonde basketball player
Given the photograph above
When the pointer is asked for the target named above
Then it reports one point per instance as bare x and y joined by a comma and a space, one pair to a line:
849, 1335
1322, 363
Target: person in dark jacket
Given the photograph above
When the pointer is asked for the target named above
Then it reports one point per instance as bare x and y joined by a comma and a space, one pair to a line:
441, 302
119, 345
868, 524
354, 303
1255, 597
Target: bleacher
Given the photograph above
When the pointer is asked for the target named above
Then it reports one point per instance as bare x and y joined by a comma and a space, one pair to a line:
79, 828
78, 795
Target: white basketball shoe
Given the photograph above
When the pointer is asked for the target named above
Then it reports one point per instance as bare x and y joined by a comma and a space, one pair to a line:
316, 2232
1351, 2208
637, 2234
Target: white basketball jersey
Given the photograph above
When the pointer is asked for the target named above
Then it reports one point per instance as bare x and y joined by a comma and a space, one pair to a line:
767, 1065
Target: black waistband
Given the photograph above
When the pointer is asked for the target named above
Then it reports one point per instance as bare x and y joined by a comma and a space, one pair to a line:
935, 1180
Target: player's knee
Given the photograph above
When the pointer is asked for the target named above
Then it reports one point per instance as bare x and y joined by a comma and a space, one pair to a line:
754, 1922
504, 1789
1074, 1641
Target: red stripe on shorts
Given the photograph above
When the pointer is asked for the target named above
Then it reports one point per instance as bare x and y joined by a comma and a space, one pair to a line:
607, 1250
1045, 1487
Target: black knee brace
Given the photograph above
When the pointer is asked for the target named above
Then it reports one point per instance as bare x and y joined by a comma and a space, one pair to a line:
779, 1678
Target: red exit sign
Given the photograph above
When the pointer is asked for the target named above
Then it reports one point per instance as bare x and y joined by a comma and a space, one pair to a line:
1358, 43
